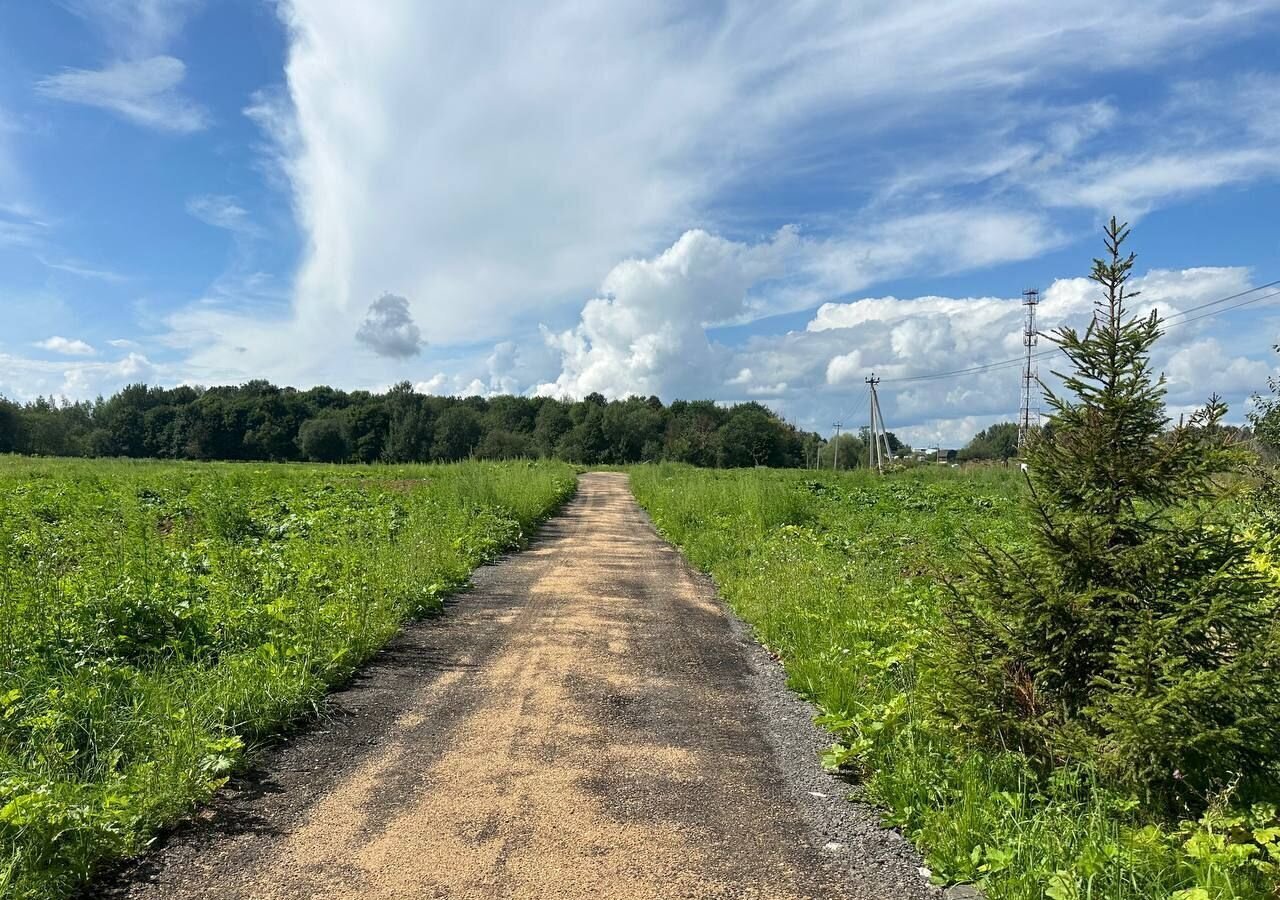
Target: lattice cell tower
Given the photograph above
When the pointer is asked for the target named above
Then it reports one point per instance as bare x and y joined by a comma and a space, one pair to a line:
1027, 417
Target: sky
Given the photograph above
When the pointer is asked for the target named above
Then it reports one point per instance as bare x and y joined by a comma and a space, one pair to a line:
725, 200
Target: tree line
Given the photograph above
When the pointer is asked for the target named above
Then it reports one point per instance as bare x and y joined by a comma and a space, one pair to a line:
260, 421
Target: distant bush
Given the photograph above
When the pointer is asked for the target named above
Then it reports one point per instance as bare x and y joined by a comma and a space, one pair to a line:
999, 441
324, 440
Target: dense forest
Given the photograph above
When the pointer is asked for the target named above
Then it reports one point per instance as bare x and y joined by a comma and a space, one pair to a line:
259, 421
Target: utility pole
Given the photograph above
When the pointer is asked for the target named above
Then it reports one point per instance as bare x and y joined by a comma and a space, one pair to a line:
1030, 299
835, 463
875, 457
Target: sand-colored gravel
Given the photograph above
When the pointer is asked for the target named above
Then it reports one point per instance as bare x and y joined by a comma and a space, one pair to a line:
580, 727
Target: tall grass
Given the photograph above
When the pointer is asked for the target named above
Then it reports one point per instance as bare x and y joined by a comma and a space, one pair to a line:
842, 576
156, 618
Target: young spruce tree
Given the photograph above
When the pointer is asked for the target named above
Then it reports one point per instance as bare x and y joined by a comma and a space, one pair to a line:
1133, 634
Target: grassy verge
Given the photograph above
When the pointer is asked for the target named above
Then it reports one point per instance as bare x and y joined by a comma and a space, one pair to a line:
156, 618
842, 577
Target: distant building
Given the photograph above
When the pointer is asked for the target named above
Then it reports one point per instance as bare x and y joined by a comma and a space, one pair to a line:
933, 454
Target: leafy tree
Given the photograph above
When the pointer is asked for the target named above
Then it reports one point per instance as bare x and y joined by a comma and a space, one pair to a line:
630, 426
10, 427
1265, 418
551, 424
513, 414
853, 451
367, 427
410, 431
998, 441
751, 436
457, 431
505, 445
259, 421
324, 440
693, 432
1133, 633
585, 442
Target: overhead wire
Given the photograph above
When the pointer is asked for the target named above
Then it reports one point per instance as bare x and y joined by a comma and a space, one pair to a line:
1021, 360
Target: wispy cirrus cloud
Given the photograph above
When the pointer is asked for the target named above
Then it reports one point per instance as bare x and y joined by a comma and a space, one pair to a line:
222, 211
142, 83
144, 91
82, 270
135, 27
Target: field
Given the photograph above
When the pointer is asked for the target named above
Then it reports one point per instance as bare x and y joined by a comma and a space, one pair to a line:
843, 577
158, 619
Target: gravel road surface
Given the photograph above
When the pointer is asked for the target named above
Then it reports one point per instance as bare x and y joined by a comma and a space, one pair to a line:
589, 722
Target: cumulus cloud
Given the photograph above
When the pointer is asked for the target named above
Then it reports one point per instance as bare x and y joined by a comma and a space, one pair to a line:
401, 179
647, 332
143, 91
389, 330
22, 378
65, 346
461, 154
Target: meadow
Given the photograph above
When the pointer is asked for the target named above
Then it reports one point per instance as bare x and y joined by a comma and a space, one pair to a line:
845, 578
158, 620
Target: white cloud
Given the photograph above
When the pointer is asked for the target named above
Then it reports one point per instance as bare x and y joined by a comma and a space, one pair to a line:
143, 91
1204, 135
82, 270
24, 379
1206, 366
221, 211
135, 27
647, 333
1132, 185
66, 346
495, 164
496, 161
20, 225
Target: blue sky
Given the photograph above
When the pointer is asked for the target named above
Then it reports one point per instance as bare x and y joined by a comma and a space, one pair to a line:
732, 200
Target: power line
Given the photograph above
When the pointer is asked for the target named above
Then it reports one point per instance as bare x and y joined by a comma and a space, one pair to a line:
1021, 360
852, 414
1224, 309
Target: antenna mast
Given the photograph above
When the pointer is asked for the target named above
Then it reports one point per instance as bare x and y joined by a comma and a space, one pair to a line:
1030, 299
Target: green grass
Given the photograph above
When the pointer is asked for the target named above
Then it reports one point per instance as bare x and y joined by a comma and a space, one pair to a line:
842, 576
155, 619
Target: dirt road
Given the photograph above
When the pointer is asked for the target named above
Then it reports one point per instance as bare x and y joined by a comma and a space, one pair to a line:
588, 723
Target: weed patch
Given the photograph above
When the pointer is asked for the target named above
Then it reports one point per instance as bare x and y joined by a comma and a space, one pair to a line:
842, 576
156, 619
